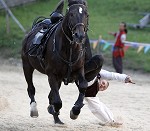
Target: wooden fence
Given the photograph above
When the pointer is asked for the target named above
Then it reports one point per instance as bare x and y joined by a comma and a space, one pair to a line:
12, 3
5, 6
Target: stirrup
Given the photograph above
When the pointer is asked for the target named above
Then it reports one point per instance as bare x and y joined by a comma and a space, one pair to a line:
38, 37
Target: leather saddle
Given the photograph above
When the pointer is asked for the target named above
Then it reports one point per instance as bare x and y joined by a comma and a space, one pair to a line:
45, 27
46, 24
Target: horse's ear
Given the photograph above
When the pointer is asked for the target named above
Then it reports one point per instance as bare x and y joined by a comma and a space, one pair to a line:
60, 7
82, 1
85, 2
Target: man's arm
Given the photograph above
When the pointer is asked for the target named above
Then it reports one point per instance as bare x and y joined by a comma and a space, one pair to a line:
123, 38
112, 75
112, 33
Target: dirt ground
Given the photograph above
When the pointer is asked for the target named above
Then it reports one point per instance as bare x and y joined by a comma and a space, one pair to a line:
129, 102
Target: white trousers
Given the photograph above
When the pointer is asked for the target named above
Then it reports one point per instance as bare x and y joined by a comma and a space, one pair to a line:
100, 110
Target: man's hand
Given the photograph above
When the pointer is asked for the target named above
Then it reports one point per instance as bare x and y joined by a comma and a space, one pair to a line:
129, 80
111, 33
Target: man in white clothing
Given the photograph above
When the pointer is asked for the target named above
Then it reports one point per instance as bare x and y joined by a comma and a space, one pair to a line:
98, 108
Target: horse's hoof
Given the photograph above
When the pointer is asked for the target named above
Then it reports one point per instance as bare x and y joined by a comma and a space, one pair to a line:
59, 122
72, 116
34, 112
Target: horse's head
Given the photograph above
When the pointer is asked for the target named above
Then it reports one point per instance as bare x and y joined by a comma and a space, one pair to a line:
77, 19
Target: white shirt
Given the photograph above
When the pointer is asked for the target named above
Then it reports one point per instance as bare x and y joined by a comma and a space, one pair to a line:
99, 109
123, 38
109, 76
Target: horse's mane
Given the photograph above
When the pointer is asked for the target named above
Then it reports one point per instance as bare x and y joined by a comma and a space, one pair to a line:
77, 2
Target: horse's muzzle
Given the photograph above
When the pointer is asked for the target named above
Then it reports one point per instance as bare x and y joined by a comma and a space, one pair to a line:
79, 38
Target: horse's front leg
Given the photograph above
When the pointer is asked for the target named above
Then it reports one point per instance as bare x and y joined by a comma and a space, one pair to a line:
55, 103
28, 73
82, 86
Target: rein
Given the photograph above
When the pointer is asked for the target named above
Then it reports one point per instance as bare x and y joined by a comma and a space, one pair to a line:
68, 62
71, 42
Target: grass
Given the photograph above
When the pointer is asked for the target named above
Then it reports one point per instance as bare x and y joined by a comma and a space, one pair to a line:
105, 15
10, 45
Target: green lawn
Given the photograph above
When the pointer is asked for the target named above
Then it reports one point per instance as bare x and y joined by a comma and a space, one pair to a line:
105, 15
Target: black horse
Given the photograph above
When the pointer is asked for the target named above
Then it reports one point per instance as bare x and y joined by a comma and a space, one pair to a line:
64, 58
65, 55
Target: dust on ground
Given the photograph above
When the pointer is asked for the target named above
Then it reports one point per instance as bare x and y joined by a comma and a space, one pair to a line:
130, 102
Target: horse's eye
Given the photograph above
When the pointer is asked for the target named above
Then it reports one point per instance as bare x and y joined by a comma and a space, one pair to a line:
87, 14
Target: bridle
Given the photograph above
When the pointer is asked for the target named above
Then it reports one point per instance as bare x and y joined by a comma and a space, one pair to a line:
75, 26
69, 62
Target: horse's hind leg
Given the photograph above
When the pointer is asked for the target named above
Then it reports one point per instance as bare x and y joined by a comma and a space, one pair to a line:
55, 102
28, 72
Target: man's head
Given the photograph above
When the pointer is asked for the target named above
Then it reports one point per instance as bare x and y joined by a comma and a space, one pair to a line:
123, 27
103, 85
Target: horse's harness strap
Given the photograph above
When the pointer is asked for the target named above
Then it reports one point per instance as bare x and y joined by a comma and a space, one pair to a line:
76, 5
79, 24
66, 36
71, 63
